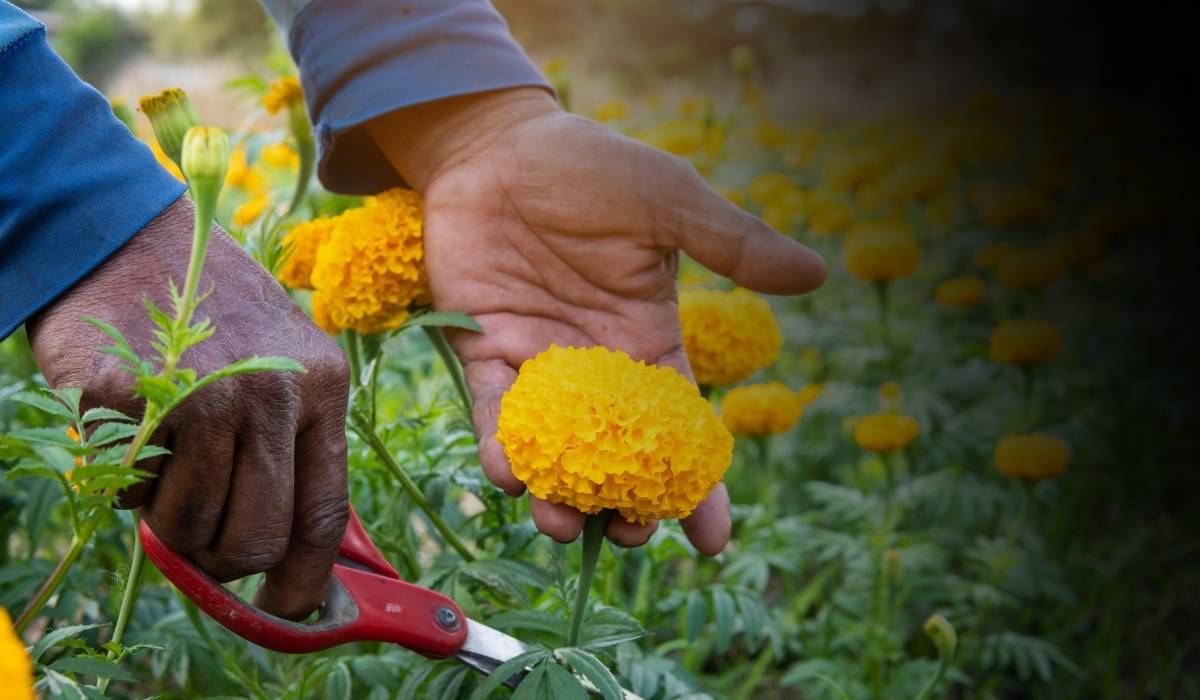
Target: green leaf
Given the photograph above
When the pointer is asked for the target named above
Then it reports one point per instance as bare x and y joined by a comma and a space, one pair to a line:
723, 616
55, 637
252, 84
45, 436
588, 666
70, 396
507, 670
43, 401
121, 347
561, 684
337, 684
697, 613
92, 666
444, 319
535, 620
95, 414
414, 680
111, 432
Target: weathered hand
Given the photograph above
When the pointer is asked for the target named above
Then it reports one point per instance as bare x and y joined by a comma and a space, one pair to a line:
256, 478
549, 228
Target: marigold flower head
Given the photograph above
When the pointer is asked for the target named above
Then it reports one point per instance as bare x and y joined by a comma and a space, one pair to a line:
281, 155
16, 672
885, 432
733, 194
304, 240
728, 335
1032, 456
880, 251
249, 211
765, 187
809, 393
835, 218
169, 165
320, 315
681, 136
761, 409
1024, 341
593, 429
960, 292
915, 179
612, 111
371, 269
850, 168
283, 92
1030, 268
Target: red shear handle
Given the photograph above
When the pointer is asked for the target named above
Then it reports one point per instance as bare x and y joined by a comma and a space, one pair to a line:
367, 601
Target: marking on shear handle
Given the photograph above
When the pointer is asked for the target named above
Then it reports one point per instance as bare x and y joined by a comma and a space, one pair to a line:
393, 608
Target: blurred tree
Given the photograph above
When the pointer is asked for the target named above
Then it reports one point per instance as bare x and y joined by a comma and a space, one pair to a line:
94, 40
223, 26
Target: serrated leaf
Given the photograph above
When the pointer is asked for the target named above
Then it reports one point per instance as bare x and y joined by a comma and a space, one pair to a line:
69, 395
723, 616
101, 413
535, 620
57, 636
507, 670
92, 666
561, 684
534, 686
43, 401
695, 616
108, 433
45, 436
588, 666
444, 319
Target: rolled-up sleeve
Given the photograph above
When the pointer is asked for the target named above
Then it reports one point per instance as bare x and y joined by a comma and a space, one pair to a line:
360, 59
75, 185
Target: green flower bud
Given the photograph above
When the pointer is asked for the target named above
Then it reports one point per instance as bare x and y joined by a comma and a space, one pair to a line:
122, 111
205, 159
943, 635
171, 115
891, 566
742, 58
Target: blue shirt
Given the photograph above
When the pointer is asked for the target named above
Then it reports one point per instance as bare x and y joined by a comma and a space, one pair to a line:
75, 185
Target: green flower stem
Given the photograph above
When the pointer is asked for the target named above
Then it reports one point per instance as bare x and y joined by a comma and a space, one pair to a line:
881, 290
414, 492
354, 357
943, 666
1027, 418
205, 208
132, 587
301, 131
593, 541
437, 338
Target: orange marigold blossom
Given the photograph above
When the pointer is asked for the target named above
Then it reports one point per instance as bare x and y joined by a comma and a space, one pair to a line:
16, 671
1032, 456
249, 211
1024, 341
282, 93
761, 409
302, 242
880, 251
728, 335
885, 432
280, 155
371, 270
594, 429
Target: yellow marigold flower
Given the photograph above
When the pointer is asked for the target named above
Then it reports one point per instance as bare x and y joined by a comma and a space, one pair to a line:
281, 155
16, 672
282, 93
915, 179
880, 251
1030, 268
682, 136
593, 429
850, 168
780, 217
885, 432
304, 240
1032, 456
249, 211
809, 393
1024, 342
960, 292
728, 335
169, 165
834, 218
761, 409
371, 269
321, 317
733, 194
770, 135
990, 256
764, 188
611, 111
238, 170
889, 390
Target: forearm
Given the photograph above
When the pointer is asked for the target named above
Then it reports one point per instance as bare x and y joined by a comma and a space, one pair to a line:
362, 59
75, 185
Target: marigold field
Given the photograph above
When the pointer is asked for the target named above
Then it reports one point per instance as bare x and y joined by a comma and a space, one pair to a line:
943, 485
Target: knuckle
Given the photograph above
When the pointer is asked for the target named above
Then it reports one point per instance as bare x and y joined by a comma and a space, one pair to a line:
325, 524
254, 554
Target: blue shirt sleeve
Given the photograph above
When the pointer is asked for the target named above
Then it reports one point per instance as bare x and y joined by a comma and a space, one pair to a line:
360, 59
75, 185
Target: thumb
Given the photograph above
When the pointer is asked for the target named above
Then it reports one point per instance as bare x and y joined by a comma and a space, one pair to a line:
742, 247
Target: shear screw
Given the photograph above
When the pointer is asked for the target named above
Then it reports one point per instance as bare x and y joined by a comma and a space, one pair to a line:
446, 618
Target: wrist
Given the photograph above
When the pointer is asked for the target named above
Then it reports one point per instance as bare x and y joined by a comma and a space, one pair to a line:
424, 139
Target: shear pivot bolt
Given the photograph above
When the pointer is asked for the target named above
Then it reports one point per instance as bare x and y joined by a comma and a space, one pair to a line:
446, 618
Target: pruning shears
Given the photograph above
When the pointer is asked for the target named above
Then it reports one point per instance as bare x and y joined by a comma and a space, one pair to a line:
367, 602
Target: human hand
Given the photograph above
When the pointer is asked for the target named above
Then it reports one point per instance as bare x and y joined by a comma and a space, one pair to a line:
256, 478
549, 228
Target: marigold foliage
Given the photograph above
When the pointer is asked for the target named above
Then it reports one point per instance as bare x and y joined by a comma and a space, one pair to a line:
371, 270
1032, 456
282, 93
728, 335
593, 429
1024, 341
304, 240
16, 673
885, 432
960, 292
880, 251
761, 409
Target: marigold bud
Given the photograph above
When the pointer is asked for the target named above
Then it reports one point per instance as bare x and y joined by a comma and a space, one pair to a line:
939, 629
171, 115
960, 292
204, 161
885, 432
890, 563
